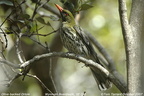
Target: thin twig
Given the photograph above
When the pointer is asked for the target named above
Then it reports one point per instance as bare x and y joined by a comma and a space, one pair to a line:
15, 77
7, 70
6, 41
11, 13
126, 29
50, 9
41, 13
18, 50
6, 19
50, 72
45, 34
29, 75
40, 35
37, 32
35, 9
3, 49
34, 76
3, 61
37, 42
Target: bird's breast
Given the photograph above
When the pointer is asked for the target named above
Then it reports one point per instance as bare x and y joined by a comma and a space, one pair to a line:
72, 41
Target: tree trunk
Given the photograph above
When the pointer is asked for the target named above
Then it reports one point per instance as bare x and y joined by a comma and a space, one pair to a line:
134, 57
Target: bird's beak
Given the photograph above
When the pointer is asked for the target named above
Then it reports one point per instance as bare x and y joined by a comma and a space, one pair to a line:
59, 7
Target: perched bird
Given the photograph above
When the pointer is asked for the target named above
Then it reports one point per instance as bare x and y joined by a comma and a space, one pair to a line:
75, 41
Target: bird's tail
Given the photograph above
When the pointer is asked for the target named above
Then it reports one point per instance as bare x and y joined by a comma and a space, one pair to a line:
101, 79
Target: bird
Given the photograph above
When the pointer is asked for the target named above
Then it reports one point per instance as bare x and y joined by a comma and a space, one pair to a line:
76, 41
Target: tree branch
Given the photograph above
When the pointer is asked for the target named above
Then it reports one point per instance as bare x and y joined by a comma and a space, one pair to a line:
126, 30
102, 50
3, 61
35, 77
89, 63
19, 50
48, 8
120, 84
111, 65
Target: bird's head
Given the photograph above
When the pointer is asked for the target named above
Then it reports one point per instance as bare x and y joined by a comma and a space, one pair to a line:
66, 15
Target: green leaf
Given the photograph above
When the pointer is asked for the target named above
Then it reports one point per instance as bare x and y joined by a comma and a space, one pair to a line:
48, 24
86, 6
33, 27
24, 16
6, 2
41, 20
53, 18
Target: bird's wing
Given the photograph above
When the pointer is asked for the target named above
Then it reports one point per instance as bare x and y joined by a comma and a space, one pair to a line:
87, 43
101, 79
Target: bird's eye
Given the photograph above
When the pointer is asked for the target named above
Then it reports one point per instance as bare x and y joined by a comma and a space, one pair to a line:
65, 14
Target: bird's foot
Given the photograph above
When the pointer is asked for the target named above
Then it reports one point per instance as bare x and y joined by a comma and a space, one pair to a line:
68, 53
